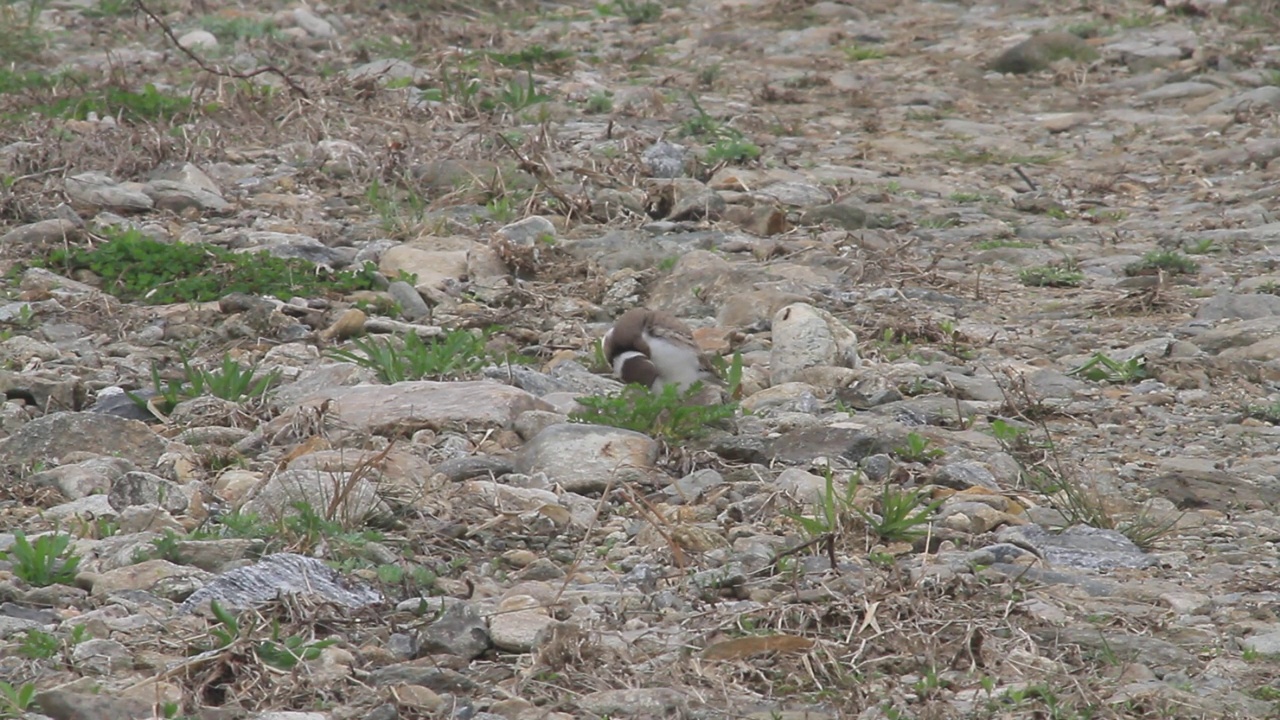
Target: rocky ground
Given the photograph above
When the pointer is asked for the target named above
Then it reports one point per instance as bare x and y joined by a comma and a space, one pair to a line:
1043, 485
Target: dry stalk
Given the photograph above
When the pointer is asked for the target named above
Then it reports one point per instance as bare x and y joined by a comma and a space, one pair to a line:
212, 70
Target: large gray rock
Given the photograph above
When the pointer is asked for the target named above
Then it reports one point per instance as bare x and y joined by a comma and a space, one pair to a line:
178, 196
1039, 51
806, 337
1259, 98
460, 631
406, 407
46, 388
281, 574
661, 702
43, 232
1231, 306
88, 477
1079, 546
143, 488
54, 436
516, 625
65, 704
101, 192
585, 458
346, 497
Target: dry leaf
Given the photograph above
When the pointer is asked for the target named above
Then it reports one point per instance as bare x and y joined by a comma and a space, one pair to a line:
556, 514
740, 648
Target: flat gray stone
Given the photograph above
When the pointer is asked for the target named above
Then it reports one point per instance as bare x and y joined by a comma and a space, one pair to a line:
1079, 546
53, 436
281, 574
806, 337
1267, 643
586, 458
1232, 306
1039, 51
344, 496
459, 631
62, 704
43, 233
406, 407
178, 196
1259, 98
636, 703
99, 191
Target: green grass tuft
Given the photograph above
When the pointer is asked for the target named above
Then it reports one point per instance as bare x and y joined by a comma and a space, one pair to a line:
134, 267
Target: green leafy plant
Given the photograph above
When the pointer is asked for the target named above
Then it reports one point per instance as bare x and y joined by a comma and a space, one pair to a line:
1269, 413
730, 372
22, 40
703, 125
13, 82
50, 560
147, 105
458, 87
502, 209
833, 510
530, 57
232, 381
110, 8
1101, 368
236, 28
166, 548
669, 414
1007, 434
280, 653
1203, 246
414, 579
14, 701
307, 528
400, 211
1051, 276
996, 243
39, 645
939, 222
243, 525
286, 653
457, 353
916, 449
732, 150
599, 103
136, 268
518, 94
227, 631
901, 514
894, 345
858, 53
1170, 262
635, 11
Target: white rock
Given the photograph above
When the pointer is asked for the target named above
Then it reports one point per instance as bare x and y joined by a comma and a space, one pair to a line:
805, 336
315, 25
585, 458
198, 39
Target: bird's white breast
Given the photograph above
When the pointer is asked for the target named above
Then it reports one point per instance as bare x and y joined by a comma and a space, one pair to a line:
676, 363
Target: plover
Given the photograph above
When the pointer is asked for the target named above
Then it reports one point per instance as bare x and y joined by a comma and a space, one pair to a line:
654, 349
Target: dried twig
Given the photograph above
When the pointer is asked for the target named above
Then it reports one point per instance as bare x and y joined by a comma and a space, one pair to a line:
544, 178
272, 69
1025, 179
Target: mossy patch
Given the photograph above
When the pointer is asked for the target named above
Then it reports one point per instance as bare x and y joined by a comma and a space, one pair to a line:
1038, 52
134, 267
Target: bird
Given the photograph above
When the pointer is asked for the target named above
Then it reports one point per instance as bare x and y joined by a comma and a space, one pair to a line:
654, 349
